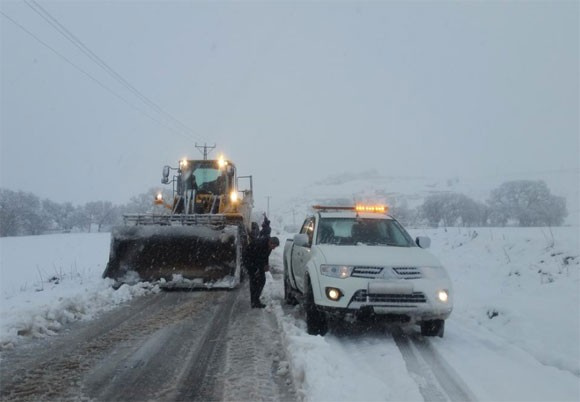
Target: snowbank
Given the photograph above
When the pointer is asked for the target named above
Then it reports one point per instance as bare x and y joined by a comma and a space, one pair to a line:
520, 283
49, 281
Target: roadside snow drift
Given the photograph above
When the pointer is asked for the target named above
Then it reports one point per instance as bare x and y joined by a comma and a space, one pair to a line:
49, 281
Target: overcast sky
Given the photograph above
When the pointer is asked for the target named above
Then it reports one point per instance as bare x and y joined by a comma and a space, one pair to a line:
291, 92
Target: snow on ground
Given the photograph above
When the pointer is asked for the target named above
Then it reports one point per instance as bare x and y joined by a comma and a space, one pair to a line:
521, 284
514, 333
48, 281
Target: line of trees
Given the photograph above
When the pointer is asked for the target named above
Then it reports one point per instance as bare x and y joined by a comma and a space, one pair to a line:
520, 203
23, 214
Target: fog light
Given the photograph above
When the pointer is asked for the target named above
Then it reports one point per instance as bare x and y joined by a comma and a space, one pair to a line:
443, 296
333, 294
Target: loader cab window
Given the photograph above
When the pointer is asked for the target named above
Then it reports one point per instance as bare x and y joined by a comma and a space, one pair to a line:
205, 178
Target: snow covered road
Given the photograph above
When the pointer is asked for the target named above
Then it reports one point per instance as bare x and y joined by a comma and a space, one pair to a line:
165, 346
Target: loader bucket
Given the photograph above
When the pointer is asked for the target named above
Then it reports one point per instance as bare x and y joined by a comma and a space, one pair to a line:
177, 256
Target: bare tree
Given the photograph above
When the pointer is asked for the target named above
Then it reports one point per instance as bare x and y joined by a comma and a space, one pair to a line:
527, 202
453, 209
21, 214
101, 213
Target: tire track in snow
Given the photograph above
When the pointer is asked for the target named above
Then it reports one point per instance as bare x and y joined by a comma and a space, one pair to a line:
427, 384
48, 370
198, 385
256, 367
436, 378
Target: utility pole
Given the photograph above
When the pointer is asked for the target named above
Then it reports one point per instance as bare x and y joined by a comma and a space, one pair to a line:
205, 148
268, 208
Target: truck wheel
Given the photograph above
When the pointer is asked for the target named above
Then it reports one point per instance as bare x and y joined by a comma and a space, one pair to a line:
433, 328
288, 297
316, 323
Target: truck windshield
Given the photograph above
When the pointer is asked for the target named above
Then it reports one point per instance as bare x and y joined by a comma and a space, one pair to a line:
354, 231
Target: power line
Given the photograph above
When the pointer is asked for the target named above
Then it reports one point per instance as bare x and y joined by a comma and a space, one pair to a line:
101, 63
96, 81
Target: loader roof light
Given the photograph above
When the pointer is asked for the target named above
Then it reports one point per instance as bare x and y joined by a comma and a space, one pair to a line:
158, 199
234, 196
183, 163
222, 162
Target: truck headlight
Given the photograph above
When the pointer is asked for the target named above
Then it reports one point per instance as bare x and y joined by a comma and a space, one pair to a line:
443, 296
336, 271
333, 294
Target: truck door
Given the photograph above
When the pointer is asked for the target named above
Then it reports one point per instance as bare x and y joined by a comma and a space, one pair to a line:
301, 254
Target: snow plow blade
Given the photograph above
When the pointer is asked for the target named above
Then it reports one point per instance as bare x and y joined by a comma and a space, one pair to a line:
185, 256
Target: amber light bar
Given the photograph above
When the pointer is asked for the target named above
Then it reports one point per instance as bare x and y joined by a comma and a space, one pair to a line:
371, 208
358, 208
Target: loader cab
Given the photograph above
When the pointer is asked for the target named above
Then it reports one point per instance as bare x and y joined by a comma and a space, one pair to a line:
205, 187
206, 177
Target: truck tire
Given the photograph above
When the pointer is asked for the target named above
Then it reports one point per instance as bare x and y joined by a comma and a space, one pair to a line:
288, 297
433, 328
316, 323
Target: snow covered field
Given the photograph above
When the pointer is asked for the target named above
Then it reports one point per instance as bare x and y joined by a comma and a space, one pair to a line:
48, 281
514, 333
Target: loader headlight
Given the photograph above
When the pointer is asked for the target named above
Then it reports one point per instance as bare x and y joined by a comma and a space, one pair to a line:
336, 271
443, 296
159, 198
183, 163
234, 196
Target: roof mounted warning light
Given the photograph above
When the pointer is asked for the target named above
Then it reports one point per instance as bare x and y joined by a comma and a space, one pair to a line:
379, 209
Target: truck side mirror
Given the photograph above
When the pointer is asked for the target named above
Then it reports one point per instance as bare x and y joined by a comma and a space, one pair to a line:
423, 241
301, 240
165, 178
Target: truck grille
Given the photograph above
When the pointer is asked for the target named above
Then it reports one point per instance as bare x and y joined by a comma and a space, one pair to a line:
361, 297
366, 272
408, 272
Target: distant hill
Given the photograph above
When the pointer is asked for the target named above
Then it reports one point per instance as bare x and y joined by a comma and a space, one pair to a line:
373, 186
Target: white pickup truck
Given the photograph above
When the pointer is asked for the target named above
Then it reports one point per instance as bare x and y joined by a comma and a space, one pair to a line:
361, 263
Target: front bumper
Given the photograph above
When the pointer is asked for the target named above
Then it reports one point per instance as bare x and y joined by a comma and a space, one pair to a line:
405, 300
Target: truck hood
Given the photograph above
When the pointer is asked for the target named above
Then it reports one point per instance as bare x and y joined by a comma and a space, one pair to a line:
378, 256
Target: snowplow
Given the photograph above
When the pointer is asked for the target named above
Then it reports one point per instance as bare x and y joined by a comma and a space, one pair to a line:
197, 239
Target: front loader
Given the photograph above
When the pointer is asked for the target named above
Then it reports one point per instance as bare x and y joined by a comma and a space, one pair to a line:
198, 241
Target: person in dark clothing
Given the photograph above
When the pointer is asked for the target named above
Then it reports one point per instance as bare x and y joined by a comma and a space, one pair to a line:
256, 263
266, 229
